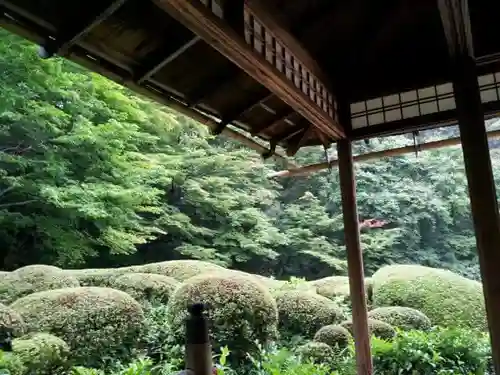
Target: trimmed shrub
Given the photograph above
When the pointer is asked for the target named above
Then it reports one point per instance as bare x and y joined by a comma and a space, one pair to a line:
337, 288
336, 336
180, 270
98, 276
377, 328
11, 322
95, 322
448, 299
31, 279
11, 364
42, 354
241, 311
317, 352
146, 286
303, 313
404, 318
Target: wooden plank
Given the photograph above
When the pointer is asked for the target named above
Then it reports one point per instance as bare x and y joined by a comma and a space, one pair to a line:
195, 16
354, 259
481, 182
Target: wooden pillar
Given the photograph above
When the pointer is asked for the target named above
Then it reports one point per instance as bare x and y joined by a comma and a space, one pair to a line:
354, 258
482, 190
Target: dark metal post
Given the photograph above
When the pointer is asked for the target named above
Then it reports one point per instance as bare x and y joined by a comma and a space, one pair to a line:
198, 349
354, 258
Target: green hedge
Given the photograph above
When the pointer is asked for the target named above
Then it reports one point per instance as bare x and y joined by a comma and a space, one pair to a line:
404, 318
95, 322
303, 313
242, 311
446, 298
42, 354
146, 286
335, 336
376, 328
180, 270
31, 279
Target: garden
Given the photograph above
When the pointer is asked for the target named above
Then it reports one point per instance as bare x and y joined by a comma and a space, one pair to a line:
130, 321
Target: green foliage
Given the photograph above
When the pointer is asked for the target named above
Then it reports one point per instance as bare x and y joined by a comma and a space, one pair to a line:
11, 322
242, 311
317, 352
97, 323
445, 297
11, 364
97, 276
376, 328
334, 336
438, 352
404, 318
31, 279
303, 313
146, 286
42, 354
284, 361
180, 269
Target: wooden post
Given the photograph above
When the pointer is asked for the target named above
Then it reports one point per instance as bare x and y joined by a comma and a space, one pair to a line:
484, 205
482, 192
354, 258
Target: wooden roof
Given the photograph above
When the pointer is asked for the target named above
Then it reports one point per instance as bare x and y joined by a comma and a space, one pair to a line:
337, 68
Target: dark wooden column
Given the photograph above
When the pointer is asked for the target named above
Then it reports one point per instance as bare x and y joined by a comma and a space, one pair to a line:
482, 192
354, 258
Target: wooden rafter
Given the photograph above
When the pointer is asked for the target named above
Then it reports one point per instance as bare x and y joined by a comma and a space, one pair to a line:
281, 116
198, 18
169, 55
63, 43
297, 141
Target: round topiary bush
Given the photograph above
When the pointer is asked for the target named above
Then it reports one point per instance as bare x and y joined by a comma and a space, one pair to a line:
377, 328
317, 352
10, 322
241, 311
98, 276
335, 336
404, 318
303, 313
95, 322
337, 288
42, 354
180, 270
446, 298
31, 279
146, 286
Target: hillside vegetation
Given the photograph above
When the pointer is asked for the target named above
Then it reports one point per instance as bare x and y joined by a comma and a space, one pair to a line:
93, 176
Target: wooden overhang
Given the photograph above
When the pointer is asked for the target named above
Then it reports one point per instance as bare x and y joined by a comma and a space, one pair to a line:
292, 73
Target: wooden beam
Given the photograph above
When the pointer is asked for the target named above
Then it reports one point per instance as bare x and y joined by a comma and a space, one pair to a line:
62, 44
195, 16
376, 155
170, 55
236, 113
477, 160
281, 116
354, 259
296, 143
